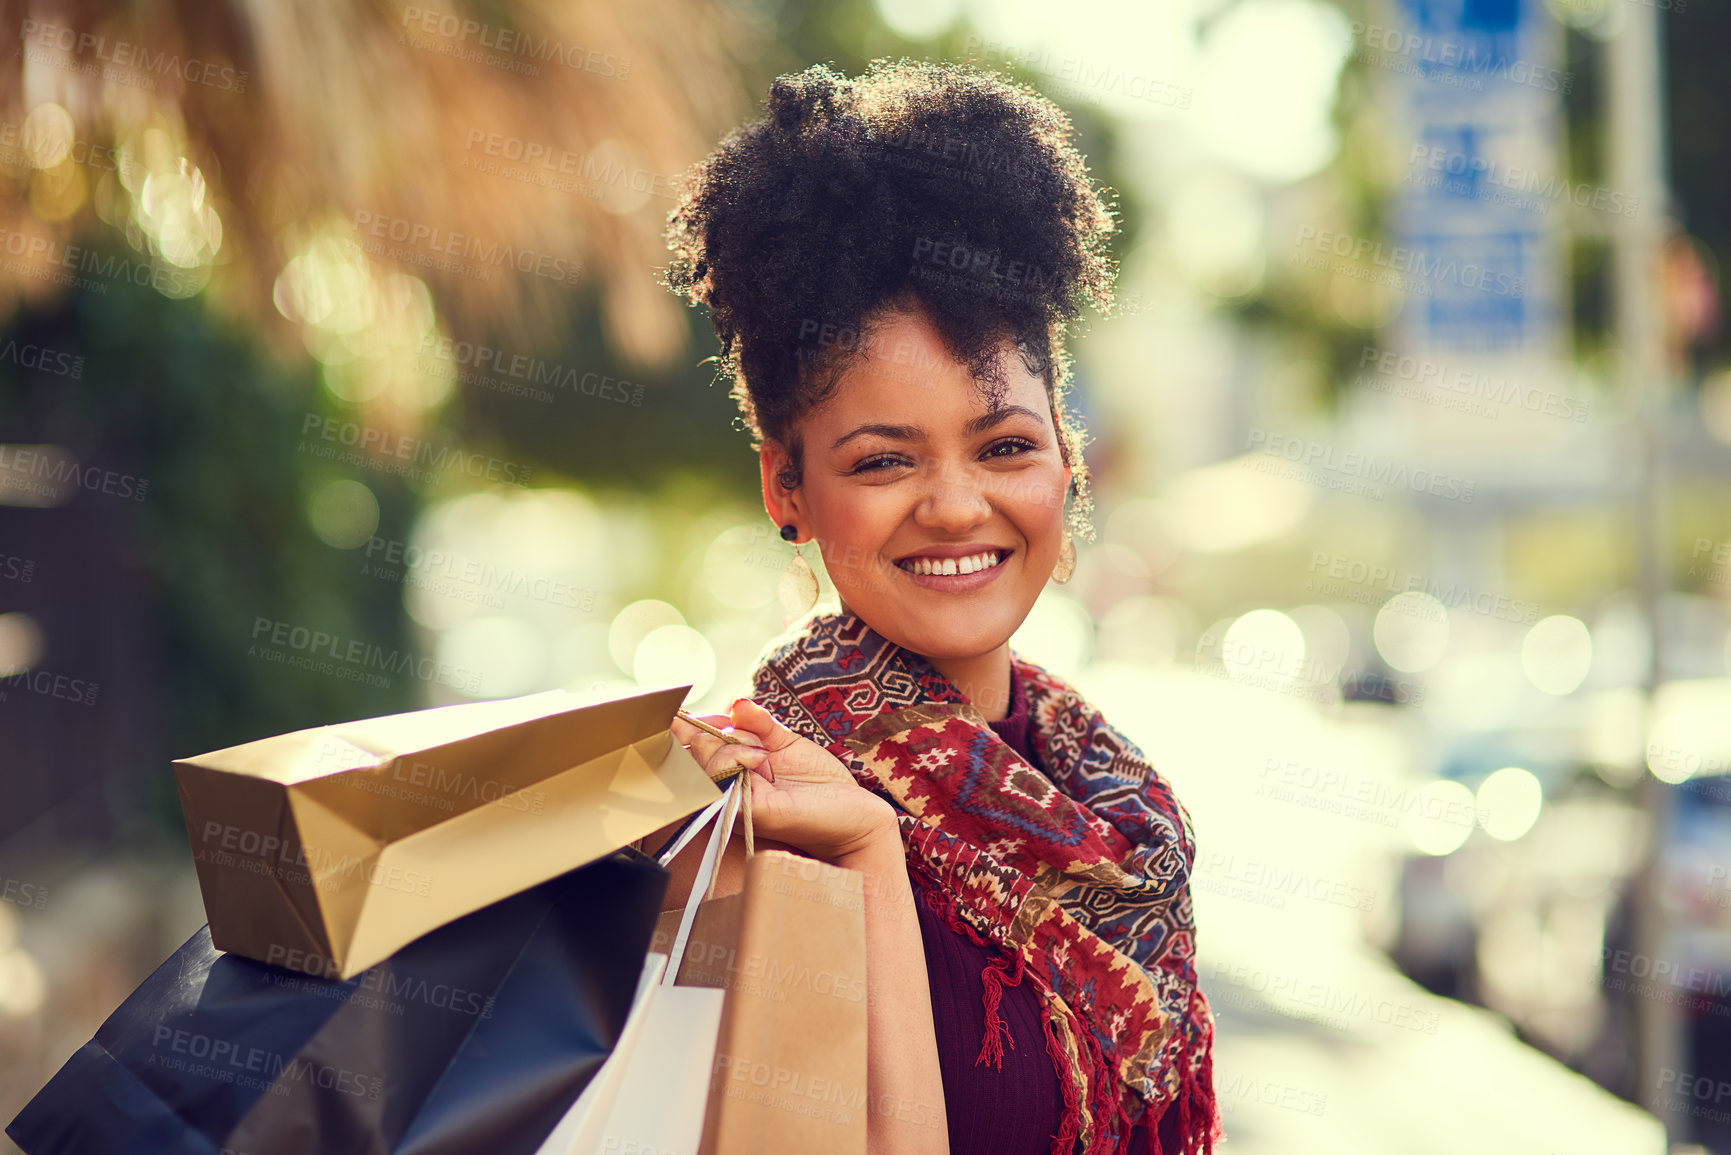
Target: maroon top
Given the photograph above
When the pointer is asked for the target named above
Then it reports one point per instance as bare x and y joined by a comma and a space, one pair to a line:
1014, 1109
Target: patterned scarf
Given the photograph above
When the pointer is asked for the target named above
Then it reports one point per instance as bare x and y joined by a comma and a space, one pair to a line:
1080, 874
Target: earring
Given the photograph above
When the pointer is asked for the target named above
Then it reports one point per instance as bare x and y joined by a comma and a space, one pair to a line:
1066, 567
798, 589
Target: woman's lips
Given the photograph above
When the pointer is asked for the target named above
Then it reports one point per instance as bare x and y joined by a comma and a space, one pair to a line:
958, 583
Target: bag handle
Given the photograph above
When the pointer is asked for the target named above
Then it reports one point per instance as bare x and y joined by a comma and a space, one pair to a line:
724, 810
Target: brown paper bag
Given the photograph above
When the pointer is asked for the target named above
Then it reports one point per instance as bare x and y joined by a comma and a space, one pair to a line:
327, 850
790, 1063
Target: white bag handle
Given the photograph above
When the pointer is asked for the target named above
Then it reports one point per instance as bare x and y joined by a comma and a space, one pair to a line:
704, 882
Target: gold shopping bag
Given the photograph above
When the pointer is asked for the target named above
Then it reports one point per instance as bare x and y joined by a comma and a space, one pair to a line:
326, 850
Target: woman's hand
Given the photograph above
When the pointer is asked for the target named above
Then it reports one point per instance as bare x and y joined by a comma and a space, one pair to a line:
800, 793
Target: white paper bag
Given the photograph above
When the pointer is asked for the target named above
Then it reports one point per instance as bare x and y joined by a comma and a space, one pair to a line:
649, 1097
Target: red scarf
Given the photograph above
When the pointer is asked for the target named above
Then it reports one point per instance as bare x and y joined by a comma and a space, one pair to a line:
1080, 874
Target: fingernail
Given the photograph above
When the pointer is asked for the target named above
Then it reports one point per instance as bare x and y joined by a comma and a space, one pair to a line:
755, 758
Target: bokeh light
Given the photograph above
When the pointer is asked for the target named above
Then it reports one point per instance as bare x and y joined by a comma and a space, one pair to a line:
1411, 631
20, 643
1557, 653
1441, 817
636, 622
1508, 803
1058, 633
1263, 648
675, 654
344, 514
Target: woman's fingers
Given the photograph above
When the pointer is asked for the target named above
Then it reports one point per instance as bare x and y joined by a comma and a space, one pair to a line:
754, 720
701, 742
728, 755
718, 757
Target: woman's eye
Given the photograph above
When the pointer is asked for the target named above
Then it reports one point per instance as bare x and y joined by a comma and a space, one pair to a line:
1010, 447
875, 464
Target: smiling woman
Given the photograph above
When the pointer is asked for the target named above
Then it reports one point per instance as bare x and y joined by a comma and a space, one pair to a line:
940, 531
890, 263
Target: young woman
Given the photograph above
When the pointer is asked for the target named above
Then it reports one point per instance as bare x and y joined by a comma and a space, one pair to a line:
890, 263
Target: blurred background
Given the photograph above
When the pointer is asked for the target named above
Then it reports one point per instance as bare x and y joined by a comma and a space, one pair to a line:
336, 379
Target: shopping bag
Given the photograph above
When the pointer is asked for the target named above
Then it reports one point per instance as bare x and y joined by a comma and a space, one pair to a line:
328, 849
651, 1096
476, 1037
790, 1059
789, 1067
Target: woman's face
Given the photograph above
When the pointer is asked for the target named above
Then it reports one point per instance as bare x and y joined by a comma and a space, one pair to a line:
940, 515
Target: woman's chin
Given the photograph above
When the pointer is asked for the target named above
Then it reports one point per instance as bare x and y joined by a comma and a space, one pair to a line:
950, 640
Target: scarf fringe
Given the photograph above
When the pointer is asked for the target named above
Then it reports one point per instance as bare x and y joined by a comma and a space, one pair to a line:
1001, 972
996, 978
1199, 1123
1064, 1142
1106, 1091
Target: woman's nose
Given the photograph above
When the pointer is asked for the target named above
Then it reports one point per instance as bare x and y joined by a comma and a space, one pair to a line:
953, 502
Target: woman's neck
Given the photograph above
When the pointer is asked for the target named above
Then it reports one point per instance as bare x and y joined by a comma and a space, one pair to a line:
985, 680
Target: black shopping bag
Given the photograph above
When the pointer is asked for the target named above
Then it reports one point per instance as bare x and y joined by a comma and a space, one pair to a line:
476, 1037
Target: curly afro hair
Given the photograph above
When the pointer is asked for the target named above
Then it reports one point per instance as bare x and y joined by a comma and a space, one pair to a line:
915, 185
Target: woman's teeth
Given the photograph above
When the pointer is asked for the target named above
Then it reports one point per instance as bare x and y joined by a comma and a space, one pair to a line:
973, 563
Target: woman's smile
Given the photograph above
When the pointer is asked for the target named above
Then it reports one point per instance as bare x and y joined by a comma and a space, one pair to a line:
954, 569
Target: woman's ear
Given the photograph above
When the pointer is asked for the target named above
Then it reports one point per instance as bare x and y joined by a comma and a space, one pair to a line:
782, 504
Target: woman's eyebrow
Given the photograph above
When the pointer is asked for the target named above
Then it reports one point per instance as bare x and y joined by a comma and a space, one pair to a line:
999, 415
893, 432
985, 421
